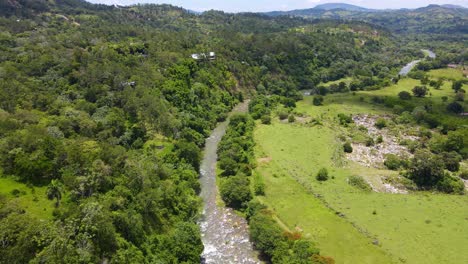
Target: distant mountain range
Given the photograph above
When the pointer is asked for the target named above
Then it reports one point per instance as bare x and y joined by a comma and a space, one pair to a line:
348, 7
343, 6
429, 19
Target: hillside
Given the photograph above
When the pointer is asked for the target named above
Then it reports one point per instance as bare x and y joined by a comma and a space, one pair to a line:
104, 113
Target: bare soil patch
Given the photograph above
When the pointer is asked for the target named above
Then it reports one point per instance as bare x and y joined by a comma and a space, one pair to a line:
374, 156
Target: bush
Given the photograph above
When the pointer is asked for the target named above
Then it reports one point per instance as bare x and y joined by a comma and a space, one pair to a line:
370, 142
318, 100
266, 119
282, 115
379, 139
450, 184
420, 91
451, 160
393, 162
380, 123
360, 183
291, 119
322, 175
347, 147
345, 119
464, 175
404, 95
235, 191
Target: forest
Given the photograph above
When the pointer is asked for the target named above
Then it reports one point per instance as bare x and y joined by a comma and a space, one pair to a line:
104, 116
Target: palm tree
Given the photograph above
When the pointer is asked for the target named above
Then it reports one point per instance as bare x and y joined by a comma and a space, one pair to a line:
54, 190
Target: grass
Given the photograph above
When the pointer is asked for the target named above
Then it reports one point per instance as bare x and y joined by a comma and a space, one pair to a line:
33, 200
415, 228
294, 203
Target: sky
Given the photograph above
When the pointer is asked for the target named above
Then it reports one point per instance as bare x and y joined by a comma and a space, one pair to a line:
273, 5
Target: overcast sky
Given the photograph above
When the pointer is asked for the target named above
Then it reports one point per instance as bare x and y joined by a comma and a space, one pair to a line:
270, 5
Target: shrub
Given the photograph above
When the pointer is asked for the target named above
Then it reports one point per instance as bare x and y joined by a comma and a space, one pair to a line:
318, 100
393, 162
404, 95
380, 123
291, 119
282, 115
379, 139
450, 184
359, 182
345, 119
347, 147
370, 142
444, 98
451, 160
322, 175
266, 119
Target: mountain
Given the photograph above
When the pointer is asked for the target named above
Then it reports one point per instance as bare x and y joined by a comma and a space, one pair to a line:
342, 6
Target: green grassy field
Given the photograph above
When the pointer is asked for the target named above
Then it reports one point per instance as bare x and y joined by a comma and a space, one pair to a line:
33, 201
414, 228
346, 80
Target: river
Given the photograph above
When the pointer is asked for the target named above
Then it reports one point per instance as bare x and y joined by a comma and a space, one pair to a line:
408, 67
225, 234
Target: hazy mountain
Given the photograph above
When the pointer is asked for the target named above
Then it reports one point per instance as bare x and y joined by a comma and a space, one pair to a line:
343, 6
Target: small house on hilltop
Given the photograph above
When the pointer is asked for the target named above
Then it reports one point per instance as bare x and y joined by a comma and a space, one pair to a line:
203, 56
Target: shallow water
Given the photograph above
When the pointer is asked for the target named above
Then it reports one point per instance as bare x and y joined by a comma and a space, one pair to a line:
408, 67
224, 234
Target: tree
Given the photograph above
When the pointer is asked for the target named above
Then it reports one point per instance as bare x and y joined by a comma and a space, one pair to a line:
426, 169
455, 108
457, 85
189, 152
54, 191
235, 191
419, 91
404, 95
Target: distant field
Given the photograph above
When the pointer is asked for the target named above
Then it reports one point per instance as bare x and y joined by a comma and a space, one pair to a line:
447, 73
33, 201
413, 228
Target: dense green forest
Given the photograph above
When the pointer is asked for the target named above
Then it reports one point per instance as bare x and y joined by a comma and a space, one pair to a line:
104, 112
